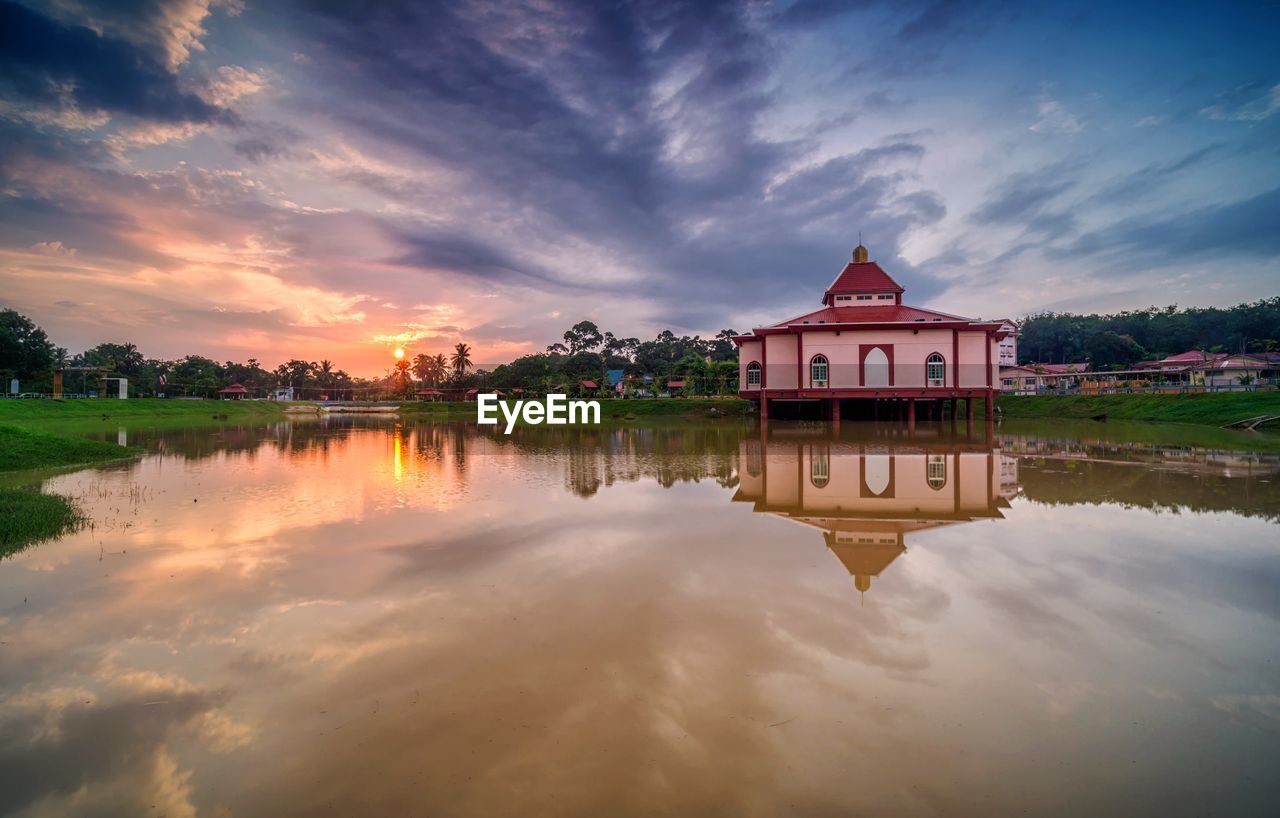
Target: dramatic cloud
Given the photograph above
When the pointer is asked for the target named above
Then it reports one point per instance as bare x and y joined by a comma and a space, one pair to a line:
688, 165
47, 62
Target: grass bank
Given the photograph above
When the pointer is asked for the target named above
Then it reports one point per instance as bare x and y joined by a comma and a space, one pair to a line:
610, 409
31, 518
1208, 409
25, 412
23, 449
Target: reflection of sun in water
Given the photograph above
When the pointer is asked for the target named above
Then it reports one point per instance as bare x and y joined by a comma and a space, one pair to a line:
398, 463
399, 353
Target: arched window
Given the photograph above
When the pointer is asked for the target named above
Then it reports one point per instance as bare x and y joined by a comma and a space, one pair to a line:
818, 370
753, 373
820, 469
935, 370
936, 471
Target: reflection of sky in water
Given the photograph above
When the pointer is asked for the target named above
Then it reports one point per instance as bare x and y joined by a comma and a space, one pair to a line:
313, 620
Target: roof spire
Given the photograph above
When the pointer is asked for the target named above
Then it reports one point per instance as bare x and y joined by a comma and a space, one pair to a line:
860, 252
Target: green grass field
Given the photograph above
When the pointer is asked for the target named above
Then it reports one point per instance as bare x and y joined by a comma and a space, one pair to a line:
30, 518
46, 411
1210, 409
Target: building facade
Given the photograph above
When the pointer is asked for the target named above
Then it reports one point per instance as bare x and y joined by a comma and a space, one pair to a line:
866, 354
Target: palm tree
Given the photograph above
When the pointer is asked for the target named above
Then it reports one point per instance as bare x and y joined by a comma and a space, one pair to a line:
326, 372
461, 359
422, 365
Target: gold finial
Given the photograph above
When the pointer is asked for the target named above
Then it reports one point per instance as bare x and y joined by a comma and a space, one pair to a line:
859, 255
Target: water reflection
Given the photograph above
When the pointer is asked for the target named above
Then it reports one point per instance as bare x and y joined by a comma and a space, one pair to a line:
370, 617
869, 498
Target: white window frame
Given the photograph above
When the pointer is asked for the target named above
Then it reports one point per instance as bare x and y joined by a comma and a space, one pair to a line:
755, 369
819, 469
936, 471
935, 359
814, 363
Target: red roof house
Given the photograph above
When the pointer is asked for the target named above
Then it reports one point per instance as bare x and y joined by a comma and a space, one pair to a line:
864, 343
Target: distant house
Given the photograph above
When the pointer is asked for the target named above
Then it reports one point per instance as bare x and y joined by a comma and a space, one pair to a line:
588, 386
1027, 379
429, 394
1235, 370
1193, 357
1007, 347
233, 392
676, 385
617, 381
282, 393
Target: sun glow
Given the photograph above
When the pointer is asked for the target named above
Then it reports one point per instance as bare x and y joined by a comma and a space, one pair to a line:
399, 353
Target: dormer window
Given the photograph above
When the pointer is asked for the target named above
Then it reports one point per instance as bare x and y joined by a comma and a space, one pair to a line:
864, 298
844, 298
885, 297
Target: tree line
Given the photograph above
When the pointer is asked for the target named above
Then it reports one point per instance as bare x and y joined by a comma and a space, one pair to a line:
586, 354
1119, 340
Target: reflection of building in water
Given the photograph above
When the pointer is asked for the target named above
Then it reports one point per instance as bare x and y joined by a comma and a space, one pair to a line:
868, 500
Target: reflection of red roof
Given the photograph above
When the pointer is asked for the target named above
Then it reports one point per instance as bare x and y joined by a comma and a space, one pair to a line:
233, 389
889, 313
589, 384
862, 278
675, 384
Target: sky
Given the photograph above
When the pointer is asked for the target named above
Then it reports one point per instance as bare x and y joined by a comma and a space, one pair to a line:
277, 180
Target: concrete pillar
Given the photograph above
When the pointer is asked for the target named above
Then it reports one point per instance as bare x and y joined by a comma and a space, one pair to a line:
764, 408
969, 404
835, 411
911, 412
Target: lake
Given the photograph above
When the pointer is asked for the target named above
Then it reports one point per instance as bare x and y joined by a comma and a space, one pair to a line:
373, 617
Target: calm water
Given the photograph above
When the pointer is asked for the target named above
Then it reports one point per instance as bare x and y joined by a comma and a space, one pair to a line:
376, 619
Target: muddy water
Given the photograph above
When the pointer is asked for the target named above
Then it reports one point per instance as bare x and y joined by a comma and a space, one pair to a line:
361, 617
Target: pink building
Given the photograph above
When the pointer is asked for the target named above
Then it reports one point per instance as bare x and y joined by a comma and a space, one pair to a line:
866, 354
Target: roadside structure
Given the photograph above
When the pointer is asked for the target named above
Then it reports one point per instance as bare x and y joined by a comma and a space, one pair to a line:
866, 354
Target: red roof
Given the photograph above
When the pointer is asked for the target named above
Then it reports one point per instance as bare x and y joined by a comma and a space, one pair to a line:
428, 392
676, 384
1055, 369
589, 384
862, 277
1193, 356
887, 314
234, 389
